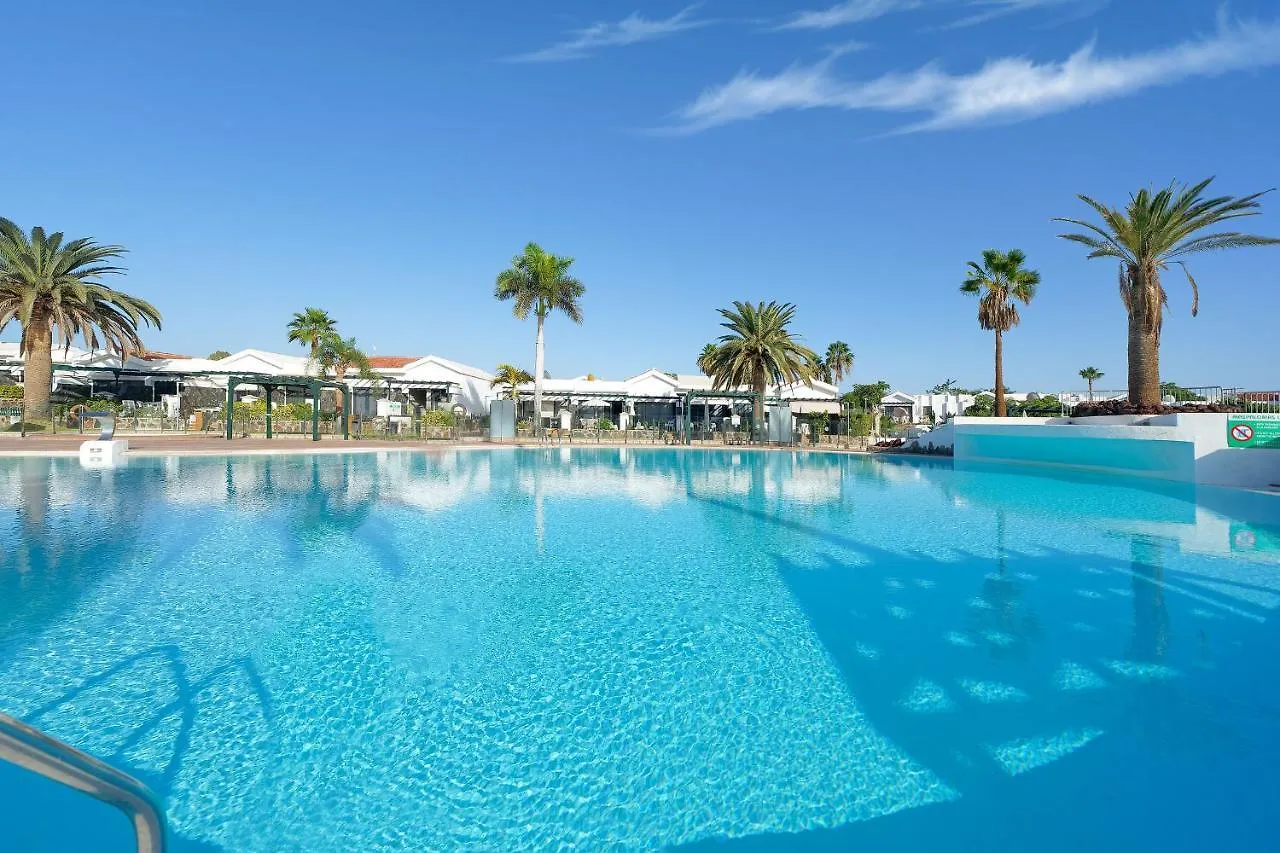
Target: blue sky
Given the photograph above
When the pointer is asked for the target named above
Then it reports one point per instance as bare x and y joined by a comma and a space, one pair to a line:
385, 160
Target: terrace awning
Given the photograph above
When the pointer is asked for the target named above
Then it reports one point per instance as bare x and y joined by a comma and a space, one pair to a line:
809, 407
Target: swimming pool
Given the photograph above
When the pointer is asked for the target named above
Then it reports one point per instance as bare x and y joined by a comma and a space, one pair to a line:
640, 649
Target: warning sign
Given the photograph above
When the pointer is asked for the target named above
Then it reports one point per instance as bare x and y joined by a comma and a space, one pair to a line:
1252, 431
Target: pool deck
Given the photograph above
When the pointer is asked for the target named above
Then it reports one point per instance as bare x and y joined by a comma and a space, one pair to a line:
68, 444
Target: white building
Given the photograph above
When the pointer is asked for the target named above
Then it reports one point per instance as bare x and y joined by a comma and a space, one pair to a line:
906, 408
429, 380
651, 398
655, 398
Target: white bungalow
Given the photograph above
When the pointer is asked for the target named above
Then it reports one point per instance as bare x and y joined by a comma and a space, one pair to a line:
656, 398
427, 380
906, 408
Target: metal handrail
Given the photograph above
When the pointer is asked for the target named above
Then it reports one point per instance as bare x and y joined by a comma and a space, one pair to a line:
36, 751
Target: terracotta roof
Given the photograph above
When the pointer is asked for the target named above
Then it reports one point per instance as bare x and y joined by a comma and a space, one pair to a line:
391, 360
155, 355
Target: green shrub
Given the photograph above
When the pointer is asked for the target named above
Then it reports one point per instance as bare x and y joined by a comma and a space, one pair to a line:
981, 408
101, 405
292, 412
256, 409
10, 392
440, 418
606, 424
860, 423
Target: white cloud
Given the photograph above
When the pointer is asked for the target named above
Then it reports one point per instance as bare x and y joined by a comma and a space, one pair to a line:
632, 29
858, 11
849, 12
1004, 90
987, 10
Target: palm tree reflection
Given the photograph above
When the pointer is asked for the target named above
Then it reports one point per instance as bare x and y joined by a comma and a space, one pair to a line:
1150, 613
1004, 621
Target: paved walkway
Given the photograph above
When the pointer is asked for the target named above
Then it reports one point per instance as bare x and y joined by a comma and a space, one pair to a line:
68, 444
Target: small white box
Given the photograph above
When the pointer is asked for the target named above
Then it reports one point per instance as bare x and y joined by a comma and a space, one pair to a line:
103, 454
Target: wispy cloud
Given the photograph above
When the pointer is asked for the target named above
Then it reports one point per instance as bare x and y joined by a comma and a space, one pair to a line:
632, 29
1004, 90
859, 11
850, 12
987, 10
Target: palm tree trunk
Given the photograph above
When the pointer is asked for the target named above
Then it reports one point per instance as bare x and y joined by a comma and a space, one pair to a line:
1144, 365
1090, 381
999, 389
37, 375
758, 386
1144, 342
539, 361
339, 396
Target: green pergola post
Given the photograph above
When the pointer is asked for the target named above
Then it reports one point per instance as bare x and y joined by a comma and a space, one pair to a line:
346, 415
315, 410
269, 389
231, 400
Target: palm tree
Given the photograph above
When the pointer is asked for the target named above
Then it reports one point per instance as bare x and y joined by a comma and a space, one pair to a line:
1000, 282
510, 377
336, 355
838, 362
1152, 232
705, 358
758, 349
539, 282
1091, 375
309, 327
48, 284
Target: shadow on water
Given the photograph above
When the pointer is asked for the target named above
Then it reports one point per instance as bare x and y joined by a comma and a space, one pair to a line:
189, 695
951, 662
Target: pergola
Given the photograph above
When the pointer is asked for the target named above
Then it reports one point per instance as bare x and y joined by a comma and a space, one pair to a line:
270, 383
726, 397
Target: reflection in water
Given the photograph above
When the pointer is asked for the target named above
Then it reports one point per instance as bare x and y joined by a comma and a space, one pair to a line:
631, 648
1004, 622
1150, 613
53, 534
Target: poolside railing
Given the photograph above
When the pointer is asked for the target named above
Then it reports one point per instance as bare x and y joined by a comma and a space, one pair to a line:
33, 750
1174, 395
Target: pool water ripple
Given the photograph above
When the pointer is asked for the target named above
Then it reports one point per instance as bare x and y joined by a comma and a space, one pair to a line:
644, 649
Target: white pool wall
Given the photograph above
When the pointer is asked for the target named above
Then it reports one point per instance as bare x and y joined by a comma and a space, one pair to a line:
1183, 447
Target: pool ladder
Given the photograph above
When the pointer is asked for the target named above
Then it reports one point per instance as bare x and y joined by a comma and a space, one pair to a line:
34, 750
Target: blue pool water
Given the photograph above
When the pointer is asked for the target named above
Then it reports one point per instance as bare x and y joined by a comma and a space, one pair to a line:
644, 649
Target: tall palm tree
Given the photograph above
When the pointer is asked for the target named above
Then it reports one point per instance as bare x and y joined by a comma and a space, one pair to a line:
1000, 282
539, 283
1091, 375
49, 284
838, 362
1152, 232
309, 327
511, 378
759, 348
705, 359
339, 356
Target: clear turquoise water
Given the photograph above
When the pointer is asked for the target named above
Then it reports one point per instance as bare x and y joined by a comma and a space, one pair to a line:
523, 650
